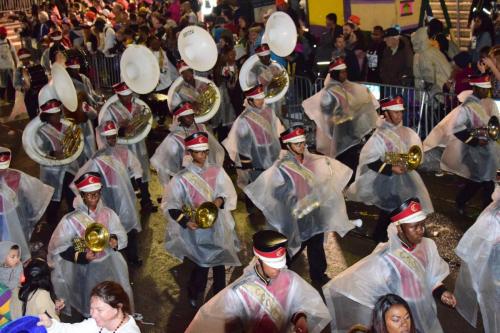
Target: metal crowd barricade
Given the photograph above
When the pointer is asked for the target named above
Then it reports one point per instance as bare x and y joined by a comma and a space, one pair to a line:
104, 71
17, 5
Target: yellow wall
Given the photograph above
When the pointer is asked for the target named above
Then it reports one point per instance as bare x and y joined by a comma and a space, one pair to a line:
318, 9
384, 14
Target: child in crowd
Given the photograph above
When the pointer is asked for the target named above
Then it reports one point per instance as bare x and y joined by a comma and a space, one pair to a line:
11, 269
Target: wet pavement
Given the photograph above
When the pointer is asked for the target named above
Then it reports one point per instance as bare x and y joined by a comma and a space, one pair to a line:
160, 284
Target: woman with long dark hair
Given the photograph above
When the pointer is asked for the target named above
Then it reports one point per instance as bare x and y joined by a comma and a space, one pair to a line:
392, 314
483, 34
37, 293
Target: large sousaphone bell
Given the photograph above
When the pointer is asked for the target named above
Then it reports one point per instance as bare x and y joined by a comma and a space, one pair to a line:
199, 51
139, 69
281, 36
60, 87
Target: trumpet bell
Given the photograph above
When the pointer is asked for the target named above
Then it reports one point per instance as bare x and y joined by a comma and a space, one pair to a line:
493, 128
206, 214
96, 237
280, 34
139, 69
414, 157
197, 48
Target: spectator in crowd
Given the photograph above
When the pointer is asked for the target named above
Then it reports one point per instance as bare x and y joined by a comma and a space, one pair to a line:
391, 314
105, 36
188, 17
431, 69
462, 70
11, 267
340, 51
374, 52
436, 33
326, 42
8, 64
351, 39
37, 293
483, 34
396, 65
41, 28
491, 64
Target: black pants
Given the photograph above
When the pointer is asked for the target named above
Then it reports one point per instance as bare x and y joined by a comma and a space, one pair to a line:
131, 249
315, 255
52, 212
380, 233
350, 157
144, 188
471, 188
198, 280
31, 101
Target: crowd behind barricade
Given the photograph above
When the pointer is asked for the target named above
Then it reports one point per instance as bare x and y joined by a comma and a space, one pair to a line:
94, 164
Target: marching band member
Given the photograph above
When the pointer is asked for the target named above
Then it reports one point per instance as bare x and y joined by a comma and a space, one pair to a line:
380, 183
469, 152
50, 140
24, 200
121, 112
83, 86
170, 155
253, 142
77, 270
345, 113
267, 298
24, 85
477, 282
190, 88
301, 197
213, 247
116, 165
408, 265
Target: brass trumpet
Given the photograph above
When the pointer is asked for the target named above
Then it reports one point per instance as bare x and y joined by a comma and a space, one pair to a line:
204, 215
96, 239
410, 160
491, 131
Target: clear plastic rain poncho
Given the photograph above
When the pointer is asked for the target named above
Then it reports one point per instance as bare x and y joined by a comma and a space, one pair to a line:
383, 191
116, 165
478, 283
477, 163
23, 200
254, 135
301, 200
341, 99
215, 246
171, 155
117, 112
393, 269
249, 305
49, 139
73, 282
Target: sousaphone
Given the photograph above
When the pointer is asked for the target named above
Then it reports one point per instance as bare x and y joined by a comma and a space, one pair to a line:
199, 51
281, 36
60, 87
141, 72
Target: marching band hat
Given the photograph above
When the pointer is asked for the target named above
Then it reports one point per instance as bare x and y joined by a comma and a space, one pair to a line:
122, 89
51, 106
270, 247
263, 50
392, 104
5, 157
197, 141
294, 134
23, 53
89, 182
337, 64
73, 62
183, 109
182, 66
109, 128
256, 92
56, 35
483, 81
409, 212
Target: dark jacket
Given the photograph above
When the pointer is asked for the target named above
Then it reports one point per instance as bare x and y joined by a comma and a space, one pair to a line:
394, 66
